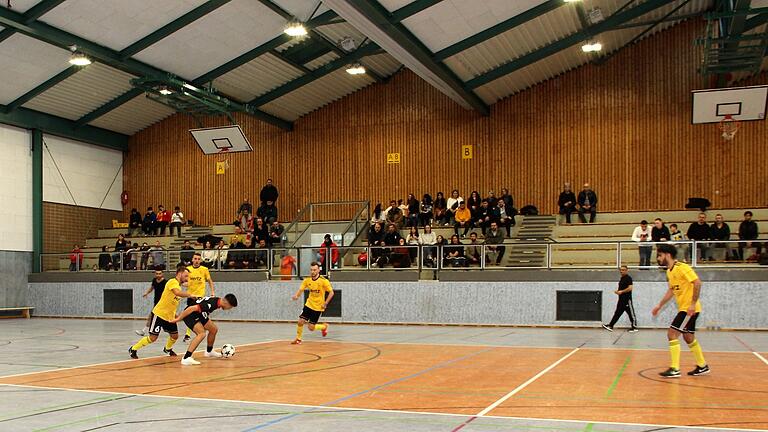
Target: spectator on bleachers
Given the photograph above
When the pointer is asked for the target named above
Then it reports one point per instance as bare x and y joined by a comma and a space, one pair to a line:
722, 232
187, 252
392, 236
269, 192
237, 237
378, 215
504, 219
328, 247
699, 231
157, 253
118, 257
474, 249
425, 210
261, 254
376, 238
492, 200
453, 253
233, 256
675, 235
132, 256
413, 211
473, 204
149, 224
642, 235
245, 222
163, 219
247, 256
260, 231
587, 201
245, 207
403, 207
413, 239
439, 209
428, 240
287, 267
452, 206
659, 232
509, 205
276, 233
394, 215
105, 260
401, 255
144, 256
485, 215
267, 212
567, 202
221, 255
494, 240
134, 222
76, 259
748, 231
208, 256
463, 219
177, 220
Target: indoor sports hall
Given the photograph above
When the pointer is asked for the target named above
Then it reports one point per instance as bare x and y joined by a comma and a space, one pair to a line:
383, 215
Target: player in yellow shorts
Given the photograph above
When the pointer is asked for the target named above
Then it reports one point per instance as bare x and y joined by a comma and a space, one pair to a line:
316, 303
163, 313
198, 276
685, 287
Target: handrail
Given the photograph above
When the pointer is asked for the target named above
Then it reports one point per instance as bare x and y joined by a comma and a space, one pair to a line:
366, 206
295, 222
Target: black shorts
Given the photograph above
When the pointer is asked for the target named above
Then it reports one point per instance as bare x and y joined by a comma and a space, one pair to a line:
683, 323
194, 318
157, 324
310, 315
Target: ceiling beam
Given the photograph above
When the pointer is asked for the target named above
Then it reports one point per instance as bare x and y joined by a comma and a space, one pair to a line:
316, 74
26, 97
412, 9
32, 14
172, 27
755, 21
377, 23
109, 106
54, 125
623, 17
735, 26
498, 29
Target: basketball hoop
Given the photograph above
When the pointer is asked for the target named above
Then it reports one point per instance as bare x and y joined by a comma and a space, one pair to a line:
223, 161
729, 126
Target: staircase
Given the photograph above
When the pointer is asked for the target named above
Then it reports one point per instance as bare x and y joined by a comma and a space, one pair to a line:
191, 234
523, 252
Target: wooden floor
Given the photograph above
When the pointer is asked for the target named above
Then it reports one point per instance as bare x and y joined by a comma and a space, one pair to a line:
588, 383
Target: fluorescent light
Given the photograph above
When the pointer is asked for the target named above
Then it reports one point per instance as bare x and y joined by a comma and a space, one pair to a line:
356, 69
165, 91
79, 59
571, 1
593, 47
295, 29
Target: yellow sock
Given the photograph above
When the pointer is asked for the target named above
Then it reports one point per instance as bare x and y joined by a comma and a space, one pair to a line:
169, 343
674, 353
320, 327
299, 331
697, 353
189, 332
141, 343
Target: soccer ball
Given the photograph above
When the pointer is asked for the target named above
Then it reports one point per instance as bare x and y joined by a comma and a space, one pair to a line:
227, 351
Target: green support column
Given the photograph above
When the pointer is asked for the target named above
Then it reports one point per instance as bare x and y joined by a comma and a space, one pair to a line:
37, 198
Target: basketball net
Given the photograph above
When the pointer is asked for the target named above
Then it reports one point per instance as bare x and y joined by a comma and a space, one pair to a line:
729, 126
223, 153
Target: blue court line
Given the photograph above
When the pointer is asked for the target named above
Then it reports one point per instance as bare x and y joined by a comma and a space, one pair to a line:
354, 395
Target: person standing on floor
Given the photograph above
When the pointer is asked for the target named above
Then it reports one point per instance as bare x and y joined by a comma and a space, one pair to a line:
624, 303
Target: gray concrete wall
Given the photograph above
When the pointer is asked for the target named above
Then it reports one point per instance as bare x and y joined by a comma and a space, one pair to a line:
14, 270
726, 304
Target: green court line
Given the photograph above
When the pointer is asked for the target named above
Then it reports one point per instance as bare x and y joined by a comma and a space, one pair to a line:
618, 377
85, 420
588, 427
10, 416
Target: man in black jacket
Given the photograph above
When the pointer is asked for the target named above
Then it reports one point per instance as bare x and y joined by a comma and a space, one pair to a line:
567, 202
748, 231
134, 223
660, 232
268, 212
587, 204
720, 231
269, 193
699, 231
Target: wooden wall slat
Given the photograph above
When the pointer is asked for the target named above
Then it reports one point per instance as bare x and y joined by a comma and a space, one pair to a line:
623, 126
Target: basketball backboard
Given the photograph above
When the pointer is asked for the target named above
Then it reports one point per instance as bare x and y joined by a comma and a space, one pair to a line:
221, 139
740, 103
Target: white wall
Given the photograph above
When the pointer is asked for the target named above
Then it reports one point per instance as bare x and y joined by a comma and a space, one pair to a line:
88, 171
15, 189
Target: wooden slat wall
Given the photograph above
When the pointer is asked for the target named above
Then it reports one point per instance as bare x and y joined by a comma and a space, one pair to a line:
624, 127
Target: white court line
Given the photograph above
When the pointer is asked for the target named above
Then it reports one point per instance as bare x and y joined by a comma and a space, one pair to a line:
115, 362
525, 384
427, 413
760, 357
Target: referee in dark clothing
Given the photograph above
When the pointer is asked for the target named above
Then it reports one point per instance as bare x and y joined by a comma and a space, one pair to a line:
157, 287
625, 301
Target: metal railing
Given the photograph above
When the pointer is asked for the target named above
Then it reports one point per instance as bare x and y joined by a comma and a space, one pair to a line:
292, 262
321, 212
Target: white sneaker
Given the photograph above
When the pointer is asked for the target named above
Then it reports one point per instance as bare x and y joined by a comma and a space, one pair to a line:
141, 332
213, 354
189, 361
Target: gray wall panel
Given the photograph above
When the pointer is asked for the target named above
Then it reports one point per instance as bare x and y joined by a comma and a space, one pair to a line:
14, 270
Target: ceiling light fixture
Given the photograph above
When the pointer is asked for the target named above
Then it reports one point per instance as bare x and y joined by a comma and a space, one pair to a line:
295, 29
571, 1
356, 69
78, 58
165, 91
592, 47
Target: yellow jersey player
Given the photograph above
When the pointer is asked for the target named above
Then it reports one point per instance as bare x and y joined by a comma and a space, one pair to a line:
685, 287
163, 313
198, 276
316, 303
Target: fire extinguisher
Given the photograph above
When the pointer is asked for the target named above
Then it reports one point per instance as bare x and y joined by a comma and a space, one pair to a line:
124, 198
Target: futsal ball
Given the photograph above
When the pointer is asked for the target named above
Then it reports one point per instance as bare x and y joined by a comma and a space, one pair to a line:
227, 351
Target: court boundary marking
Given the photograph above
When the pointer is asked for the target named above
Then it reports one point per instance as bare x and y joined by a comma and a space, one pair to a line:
427, 413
